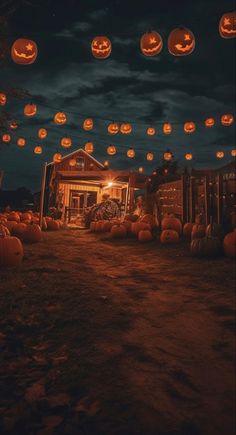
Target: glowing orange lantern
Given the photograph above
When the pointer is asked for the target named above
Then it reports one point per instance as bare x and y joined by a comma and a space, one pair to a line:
227, 25
66, 142
111, 150
141, 170
188, 156
167, 128
60, 118
131, 153
13, 125
227, 119
209, 122
151, 44
57, 158
89, 148
189, 127
220, 154
151, 131
24, 51
167, 156
149, 156
113, 128
42, 133
181, 42
233, 153
30, 110
106, 164
3, 99
21, 142
126, 128
38, 150
6, 138
88, 124
101, 47
72, 162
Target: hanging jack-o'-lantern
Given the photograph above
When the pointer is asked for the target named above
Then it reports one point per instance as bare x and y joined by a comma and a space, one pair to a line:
24, 51
113, 128
111, 150
72, 163
89, 148
42, 133
168, 156
188, 156
21, 141
60, 118
88, 124
101, 47
13, 125
57, 158
220, 154
151, 131
3, 99
66, 142
38, 150
181, 42
6, 138
151, 43
30, 110
227, 119
131, 153
189, 127
141, 170
149, 156
209, 122
233, 153
126, 128
167, 128
227, 25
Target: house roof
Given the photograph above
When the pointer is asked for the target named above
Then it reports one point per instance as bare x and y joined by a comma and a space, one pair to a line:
80, 150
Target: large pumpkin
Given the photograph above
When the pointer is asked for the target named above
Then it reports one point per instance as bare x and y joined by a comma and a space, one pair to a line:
229, 244
181, 42
19, 229
139, 226
171, 223
227, 25
101, 47
118, 231
206, 247
24, 51
11, 251
30, 110
10, 225
145, 236
169, 237
151, 43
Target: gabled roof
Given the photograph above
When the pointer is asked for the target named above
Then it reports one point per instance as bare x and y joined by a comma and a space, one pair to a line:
80, 150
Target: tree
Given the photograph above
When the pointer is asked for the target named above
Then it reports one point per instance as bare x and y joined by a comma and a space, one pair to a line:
167, 171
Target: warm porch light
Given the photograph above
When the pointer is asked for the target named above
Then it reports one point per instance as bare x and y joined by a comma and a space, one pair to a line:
110, 184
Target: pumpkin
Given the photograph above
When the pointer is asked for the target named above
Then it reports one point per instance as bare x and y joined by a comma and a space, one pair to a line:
150, 219
21, 141
106, 227
131, 217
214, 230
139, 226
220, 154
99, 226
167, 156
167, 128
181, 42
113, 128
187, 229
13, 125
42, 133
66, 142
198, 231
6, 138
189, 127
169, 237
171, 223
227, 25
89, 148
149, 156
11, 251
14, 216
52, 225
57, 158
38, 150
206, 247
4, 231
32, 234
126, 128
227, 119
111, 150
72, 163
188, 156
229, 244
10, 225
60, 118
24, 51
3, 99
141, 170
101, 47
151, 43
118, 231
19, 229
145, 236
151, 131
233, 153
30, 110
131, 153
26, 216
88, 124
106, 164
209, 122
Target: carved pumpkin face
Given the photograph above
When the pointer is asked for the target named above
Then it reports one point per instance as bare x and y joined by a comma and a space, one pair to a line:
209, 122
57, 158
151, 44
126, 128
89, 148
227, 25
189, 127
131, 153
66, 142
167, 128
13, 125
88, 124
151, 131
227, 119
38, 150
24, 51
111, 150
141, 170
72, 163
60, 118
168, 156
21, 142
188, 156
101, 47
233, 153
30, 109
113, 128
6, 138
150, 156
181, 42
220, 154
42, 133
3, 99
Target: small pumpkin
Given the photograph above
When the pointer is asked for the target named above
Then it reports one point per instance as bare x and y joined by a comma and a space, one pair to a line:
4, 231
189, 127
101, 47
52, 225
118, 231
32, 234
24, 51
21, 141
227, 25
19, 229
139, 226
113, 128
209, 122
171, 223
169, 237
66, 142
181, 42
229, 244
187, 229
42, 133
11, 251
151, 43
88, 124
227, 119
145, 236
3, 99
30, 110
60, 118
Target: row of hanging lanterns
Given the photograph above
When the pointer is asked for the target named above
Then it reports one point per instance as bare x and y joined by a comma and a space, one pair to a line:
181, 42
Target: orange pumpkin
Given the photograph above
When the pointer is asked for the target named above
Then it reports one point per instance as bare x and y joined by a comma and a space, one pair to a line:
126, 128
4, 231
198, 231
227, 25
151, 43
6, 138
32, 234
151, 131
227, 119
88, 124
141, 170
72, 162
101, 47
38, 149
171, 223
60, 118
118, 231
168, 156
106, 164
3, 99
11, 225
188, 156
89, 147
24, 51
111, 150
187, 229
149, 156
189, 127
233, 153
66, 142
11, 251
169, 237
139, 226
57, 158
113, 128
19, 229
14, 216
13, 125
181, 42
131, 153
145, 236
167, 128
53, 225
42, 133
30, 110
209, 122
26, 216
21, 141
229, 244
220, 154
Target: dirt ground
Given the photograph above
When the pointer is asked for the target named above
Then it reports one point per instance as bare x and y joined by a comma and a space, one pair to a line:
107, 337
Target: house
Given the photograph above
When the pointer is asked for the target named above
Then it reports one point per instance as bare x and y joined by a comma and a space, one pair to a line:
79, 181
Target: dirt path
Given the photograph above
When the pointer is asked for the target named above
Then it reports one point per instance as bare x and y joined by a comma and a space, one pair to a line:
138, 338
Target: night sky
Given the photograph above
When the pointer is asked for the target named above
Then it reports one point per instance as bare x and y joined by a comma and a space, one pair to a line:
126, 87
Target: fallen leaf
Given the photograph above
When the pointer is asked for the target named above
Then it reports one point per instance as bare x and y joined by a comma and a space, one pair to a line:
52, 421
60, 399
35, 392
